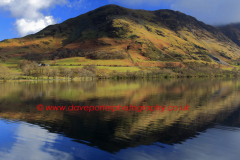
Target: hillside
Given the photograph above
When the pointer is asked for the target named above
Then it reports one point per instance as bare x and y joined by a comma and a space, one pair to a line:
232, 31
129, 37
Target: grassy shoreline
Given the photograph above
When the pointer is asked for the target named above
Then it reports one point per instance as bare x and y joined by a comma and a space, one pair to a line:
122, 75
23, 70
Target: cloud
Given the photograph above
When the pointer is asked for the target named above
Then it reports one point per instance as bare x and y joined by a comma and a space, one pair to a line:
76, 4
28, 14
26, 26
212, 12
33, 142
139, 2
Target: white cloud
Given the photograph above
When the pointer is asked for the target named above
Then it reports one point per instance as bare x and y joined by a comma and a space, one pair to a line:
26, 26
28, 14
209, 11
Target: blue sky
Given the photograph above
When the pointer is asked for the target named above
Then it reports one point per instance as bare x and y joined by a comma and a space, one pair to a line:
22, 17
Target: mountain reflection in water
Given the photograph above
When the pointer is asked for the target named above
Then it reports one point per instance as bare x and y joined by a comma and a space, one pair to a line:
209, 130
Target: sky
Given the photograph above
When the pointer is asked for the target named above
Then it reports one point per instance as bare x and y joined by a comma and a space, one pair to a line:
22, 17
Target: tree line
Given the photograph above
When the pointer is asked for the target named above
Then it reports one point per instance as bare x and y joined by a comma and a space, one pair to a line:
30, 68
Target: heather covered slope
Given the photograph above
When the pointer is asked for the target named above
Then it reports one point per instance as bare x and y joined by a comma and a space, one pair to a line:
134, 37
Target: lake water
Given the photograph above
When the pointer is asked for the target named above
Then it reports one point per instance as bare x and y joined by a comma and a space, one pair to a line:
208, 129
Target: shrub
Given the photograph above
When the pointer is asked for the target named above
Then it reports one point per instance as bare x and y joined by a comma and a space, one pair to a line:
106, 55
92, 68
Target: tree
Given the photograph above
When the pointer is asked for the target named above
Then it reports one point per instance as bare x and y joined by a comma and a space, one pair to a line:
54, 72
22, 63
35, 65
85, 73
72, 75
91, 68
76, 70
234, 70
61, 70
27, 69
66, 72
5, 73
37, 73
48, 72
4, 59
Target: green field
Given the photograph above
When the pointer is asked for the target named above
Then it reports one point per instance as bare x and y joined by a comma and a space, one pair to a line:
85, 61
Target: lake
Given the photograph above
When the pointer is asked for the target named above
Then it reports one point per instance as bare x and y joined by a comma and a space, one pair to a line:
201, 120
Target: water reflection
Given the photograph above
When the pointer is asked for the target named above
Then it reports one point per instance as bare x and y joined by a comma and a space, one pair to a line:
34, 142
213, 109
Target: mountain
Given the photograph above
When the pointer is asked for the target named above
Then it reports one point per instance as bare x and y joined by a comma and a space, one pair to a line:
232, 31
144, 38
